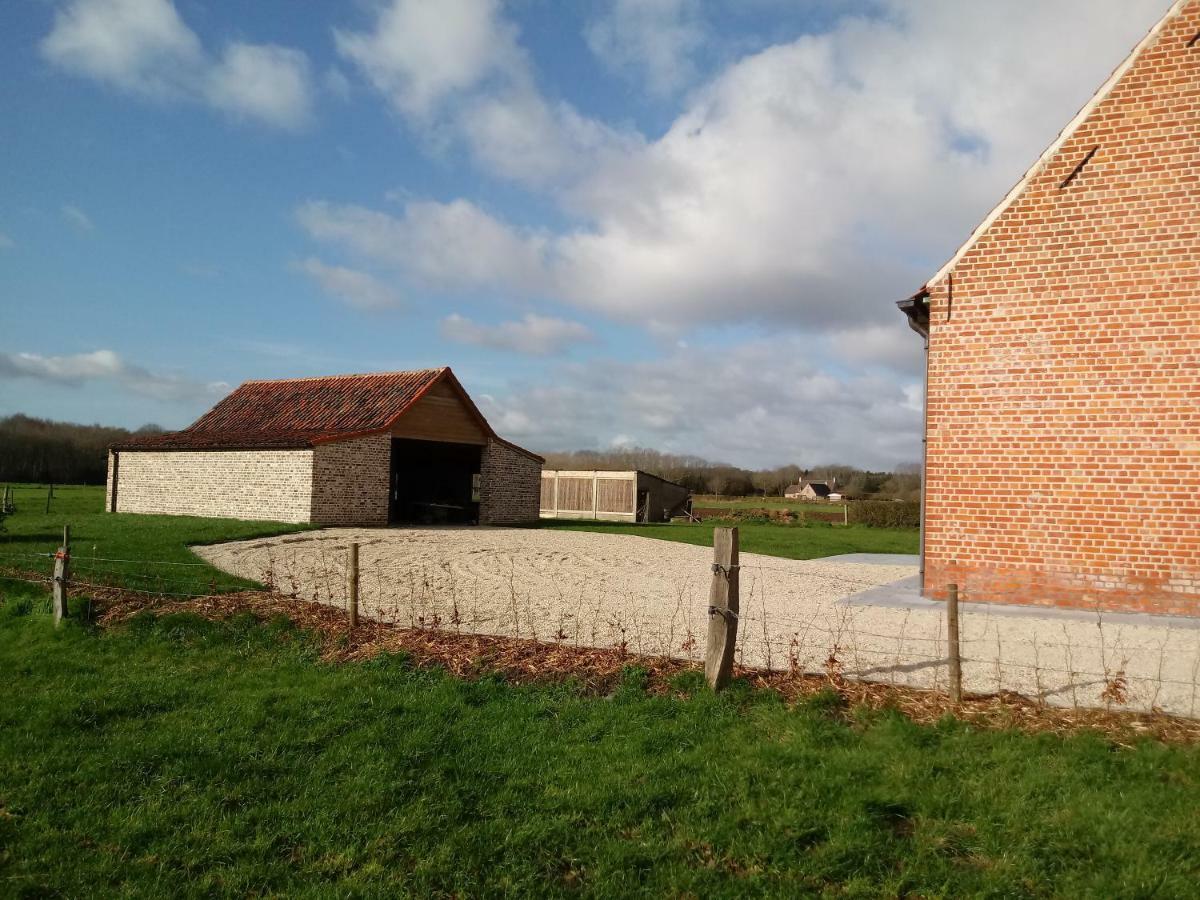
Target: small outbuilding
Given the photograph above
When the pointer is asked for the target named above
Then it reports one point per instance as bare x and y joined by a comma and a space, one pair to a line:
632, 496
378, 449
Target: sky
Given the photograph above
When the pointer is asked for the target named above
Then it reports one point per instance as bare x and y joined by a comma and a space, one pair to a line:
674, 224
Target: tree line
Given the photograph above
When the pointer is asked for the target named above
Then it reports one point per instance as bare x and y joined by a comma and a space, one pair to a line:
44, 451
705, 477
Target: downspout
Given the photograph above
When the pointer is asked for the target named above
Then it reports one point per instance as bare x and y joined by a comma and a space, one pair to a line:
916, 308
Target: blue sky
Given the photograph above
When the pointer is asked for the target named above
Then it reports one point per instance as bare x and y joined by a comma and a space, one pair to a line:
672, 223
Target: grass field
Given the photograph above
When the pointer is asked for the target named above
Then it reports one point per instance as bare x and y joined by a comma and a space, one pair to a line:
183, 757
714, 502
789, 541
123, 542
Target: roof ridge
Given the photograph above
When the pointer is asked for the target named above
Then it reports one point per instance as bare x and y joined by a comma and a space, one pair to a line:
1063, 136
438, 369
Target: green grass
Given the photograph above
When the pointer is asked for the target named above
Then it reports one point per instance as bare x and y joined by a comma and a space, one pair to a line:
178, 757
712, 502
121, 536
789, 541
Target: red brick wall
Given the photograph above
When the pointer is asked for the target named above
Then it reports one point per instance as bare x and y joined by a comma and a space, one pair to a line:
1064, 367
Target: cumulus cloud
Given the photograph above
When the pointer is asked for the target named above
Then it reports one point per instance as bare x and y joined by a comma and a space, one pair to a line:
144, 47
650, 41
455, 245
76, 218
533, 335
105, 365
456, 67
808, 184
263, 82
760, 403
419, 53
358, 289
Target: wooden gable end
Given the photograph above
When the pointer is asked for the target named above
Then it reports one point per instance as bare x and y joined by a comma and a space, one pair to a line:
441, 415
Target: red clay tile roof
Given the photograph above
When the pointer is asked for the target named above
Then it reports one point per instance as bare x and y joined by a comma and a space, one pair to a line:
303, 412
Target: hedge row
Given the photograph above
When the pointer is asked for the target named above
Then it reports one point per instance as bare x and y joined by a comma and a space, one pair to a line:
886, 513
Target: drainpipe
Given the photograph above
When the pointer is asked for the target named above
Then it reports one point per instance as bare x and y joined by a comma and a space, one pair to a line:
916, 308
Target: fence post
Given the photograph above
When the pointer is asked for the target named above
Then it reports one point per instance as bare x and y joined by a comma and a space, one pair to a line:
62, 575
955, 651
352, 585
845, 513
723, 607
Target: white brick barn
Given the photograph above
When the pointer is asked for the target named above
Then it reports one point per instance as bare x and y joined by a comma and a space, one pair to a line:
394, 447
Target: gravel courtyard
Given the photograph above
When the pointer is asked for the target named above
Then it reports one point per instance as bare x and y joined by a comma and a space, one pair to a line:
862, 618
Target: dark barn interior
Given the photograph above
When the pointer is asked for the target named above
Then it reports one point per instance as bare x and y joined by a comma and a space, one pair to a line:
434, 483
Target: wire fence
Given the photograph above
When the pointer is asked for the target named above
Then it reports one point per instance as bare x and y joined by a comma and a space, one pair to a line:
793, 615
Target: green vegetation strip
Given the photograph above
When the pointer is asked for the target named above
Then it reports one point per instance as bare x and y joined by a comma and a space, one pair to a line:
178, 756
788, 541
137, 552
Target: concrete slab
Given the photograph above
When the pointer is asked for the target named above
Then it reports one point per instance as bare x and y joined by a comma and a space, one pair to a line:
905, 594
876, 559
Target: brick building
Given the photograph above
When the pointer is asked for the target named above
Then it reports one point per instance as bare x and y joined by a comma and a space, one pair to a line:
1063, 344
344, 450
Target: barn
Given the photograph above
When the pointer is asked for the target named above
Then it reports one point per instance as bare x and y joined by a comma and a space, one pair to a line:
377, 449
1063, 360
632, 496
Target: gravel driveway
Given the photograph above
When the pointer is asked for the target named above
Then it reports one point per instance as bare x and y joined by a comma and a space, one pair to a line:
861, 617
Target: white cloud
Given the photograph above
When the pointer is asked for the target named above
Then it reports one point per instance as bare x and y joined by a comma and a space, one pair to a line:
454, 69
358, 289
760, 403
533, 334
419, 53
517, 134
77, 218
808, 184
650, 41
263, 82
105, 365
143, 47
454, 245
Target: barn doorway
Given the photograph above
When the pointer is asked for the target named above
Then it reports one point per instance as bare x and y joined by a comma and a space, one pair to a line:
434, 483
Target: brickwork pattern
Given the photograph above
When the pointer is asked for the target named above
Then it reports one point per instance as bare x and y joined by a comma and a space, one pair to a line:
273, 485
510, 486
351, 481
1064, 366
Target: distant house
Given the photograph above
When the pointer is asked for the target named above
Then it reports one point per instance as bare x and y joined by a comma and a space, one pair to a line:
392, 447
816, 490
795, 492
1063, 337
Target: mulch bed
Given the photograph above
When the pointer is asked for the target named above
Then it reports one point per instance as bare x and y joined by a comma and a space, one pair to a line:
599, 671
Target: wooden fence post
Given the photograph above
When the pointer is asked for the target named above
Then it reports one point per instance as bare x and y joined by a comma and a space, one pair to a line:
352, 586
723, 607
62, 575
954, 649
845, 513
